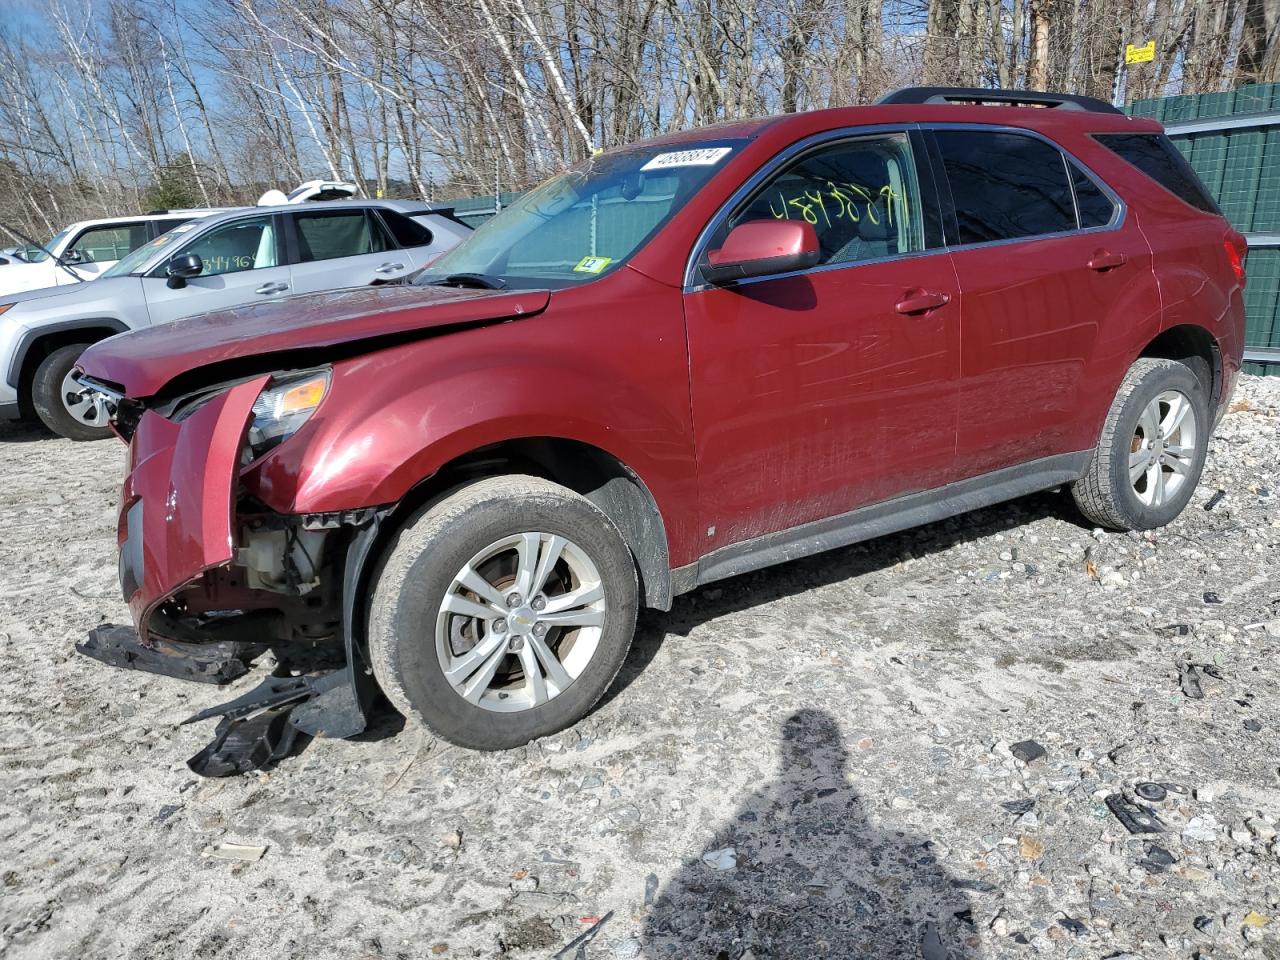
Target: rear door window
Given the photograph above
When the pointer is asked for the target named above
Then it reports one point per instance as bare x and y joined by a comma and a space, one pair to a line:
328, 235
108, 243
1159, 159
1094, 207
1005, 186
164, 226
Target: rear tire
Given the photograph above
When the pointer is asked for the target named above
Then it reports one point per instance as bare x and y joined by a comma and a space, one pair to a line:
528, 570
1151, 451
48, 396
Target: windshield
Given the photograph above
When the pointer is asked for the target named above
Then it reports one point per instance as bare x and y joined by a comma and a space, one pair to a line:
134, 262
39, 256
587, 221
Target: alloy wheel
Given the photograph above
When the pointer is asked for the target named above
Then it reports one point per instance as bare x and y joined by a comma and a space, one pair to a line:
1163, 449
520, 622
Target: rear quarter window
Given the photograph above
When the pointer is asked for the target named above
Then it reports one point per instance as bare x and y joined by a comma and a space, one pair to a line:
407, 232
1159, 159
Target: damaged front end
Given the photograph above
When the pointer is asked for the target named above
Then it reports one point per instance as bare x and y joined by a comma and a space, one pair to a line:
215, 579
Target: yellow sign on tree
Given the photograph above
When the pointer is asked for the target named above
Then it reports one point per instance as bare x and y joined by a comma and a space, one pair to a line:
1143, 54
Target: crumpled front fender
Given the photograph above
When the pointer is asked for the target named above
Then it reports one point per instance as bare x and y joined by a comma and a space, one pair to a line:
177, 506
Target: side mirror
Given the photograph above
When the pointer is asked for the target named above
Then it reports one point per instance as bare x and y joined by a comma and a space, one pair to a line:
183, 268
760, 247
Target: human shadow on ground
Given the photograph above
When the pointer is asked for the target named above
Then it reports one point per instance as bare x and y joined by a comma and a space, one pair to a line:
813, 876
788, 579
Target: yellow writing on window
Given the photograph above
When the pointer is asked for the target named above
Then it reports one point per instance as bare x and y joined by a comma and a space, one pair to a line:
835, 201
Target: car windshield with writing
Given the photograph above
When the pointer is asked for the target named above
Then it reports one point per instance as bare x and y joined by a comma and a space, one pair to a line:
587, 221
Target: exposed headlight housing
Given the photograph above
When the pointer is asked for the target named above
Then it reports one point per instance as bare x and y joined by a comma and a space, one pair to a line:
285, 404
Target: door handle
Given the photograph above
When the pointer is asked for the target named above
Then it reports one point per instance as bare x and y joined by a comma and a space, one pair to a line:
389, 268
267, 288
1103, 260
922, 302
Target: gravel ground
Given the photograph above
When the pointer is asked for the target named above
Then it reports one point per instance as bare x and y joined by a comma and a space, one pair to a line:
823, 759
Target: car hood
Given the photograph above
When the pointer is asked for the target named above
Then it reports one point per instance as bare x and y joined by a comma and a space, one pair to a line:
21, 280
303, 329
70, 294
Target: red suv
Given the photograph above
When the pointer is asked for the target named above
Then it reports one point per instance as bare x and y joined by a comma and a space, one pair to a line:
678, 361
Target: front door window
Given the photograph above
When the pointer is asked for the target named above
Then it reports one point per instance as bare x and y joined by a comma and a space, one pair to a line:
234, 247
859, 195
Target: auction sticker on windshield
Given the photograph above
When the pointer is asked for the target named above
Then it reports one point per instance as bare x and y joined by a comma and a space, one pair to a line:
592, 264
701, 157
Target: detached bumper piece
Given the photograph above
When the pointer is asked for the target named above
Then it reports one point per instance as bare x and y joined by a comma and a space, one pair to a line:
276, 719
119, 646
272, 721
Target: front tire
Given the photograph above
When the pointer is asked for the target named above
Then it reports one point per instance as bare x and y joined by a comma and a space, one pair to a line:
503, 612
51, 387
1151, 451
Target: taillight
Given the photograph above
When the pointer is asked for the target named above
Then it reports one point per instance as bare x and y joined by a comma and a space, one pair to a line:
1237, 249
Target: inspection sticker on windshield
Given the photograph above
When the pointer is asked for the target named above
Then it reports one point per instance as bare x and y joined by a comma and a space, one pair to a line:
592, 264
701, 157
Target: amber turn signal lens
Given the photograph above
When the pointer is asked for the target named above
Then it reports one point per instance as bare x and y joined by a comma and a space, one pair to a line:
302, 396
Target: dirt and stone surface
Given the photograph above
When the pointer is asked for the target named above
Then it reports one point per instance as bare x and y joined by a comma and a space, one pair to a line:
827, 759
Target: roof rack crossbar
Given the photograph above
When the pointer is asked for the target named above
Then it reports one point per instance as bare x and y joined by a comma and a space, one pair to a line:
1037, 98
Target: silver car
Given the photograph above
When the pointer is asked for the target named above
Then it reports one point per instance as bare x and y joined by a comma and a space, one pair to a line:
225, 260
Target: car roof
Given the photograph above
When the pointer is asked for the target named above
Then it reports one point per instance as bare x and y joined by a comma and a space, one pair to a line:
412, 208
407, 207
152, 215
1028, 117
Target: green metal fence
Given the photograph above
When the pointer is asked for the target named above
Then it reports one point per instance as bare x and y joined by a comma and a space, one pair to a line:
1233, 142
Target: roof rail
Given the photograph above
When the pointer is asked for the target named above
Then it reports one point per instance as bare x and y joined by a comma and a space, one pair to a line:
1013, 98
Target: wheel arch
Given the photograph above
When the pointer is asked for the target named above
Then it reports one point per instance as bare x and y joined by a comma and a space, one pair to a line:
594, 473
1197, 348
38, 342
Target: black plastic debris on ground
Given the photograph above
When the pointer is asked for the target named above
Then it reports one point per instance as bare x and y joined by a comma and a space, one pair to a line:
261, 727
1211, 597
1189, 678
247, 744
1152, 792
1134, 817
1157, 860
1072, 926
1215, 499
1027, 751
1019, 807
579, 944
119, 646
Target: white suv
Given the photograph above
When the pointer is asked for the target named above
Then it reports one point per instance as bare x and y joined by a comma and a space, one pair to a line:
251, 255
84, 250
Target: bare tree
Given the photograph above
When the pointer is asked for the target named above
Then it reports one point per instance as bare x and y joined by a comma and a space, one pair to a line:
113, 98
